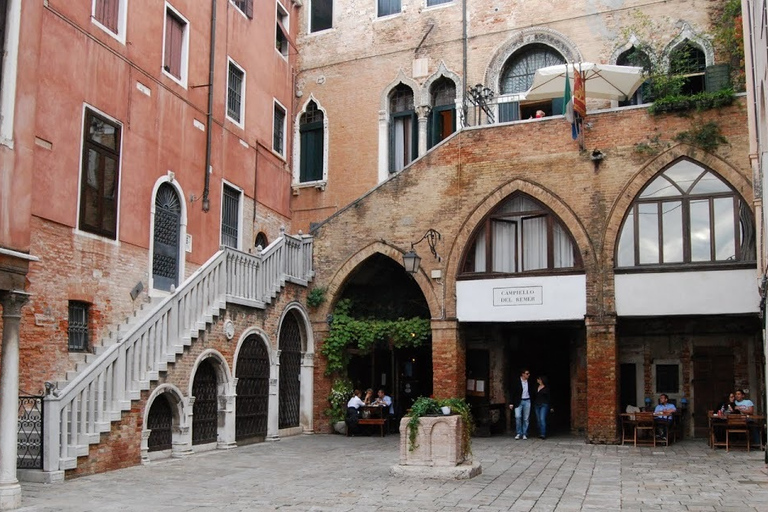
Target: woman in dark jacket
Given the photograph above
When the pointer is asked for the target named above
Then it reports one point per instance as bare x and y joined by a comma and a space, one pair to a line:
541, 405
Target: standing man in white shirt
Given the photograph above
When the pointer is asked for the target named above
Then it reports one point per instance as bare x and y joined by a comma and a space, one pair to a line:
521, 396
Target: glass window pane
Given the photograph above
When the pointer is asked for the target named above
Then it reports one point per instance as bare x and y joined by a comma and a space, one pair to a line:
563, 247
709, 184
672, 229
700, 232
648, 236
684, 173
103, 133
725, 237
534, 243
504, 242
660, 187
479, 253
625, 255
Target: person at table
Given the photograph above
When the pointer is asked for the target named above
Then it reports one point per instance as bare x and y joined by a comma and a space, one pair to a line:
353, 412
368, 396
521, 395
663, 414
384, 400
541, 404
729, 404
743, 404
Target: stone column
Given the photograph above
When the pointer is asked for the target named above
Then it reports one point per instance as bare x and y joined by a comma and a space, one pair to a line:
10, 490
449, 357
305, 397
602, 379
383, 146
423, 118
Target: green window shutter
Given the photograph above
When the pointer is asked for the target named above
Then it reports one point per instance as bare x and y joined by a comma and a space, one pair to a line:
311, 164
557, 106
509, 112
717, 77
316, 172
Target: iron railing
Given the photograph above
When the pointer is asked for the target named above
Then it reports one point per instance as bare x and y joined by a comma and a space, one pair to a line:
29, 453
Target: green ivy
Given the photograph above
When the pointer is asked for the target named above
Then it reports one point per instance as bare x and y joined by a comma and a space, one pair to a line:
698, 102
316, 296
706, 136
427, 406
366, 333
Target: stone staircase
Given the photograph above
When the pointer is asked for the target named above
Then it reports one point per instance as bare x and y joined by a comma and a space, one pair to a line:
102, 385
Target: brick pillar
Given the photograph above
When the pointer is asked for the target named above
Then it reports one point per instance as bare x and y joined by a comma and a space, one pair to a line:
321, 384
449, 356
602, 380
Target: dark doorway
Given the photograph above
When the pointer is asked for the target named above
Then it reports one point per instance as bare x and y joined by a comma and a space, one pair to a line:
160, 422
712, 379
628, 383
290, 371
252, 374
206, 409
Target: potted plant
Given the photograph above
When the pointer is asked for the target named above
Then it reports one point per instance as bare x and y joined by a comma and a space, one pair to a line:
428, 406
341, 391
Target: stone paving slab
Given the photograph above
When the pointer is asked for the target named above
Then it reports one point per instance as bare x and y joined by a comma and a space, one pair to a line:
332, 473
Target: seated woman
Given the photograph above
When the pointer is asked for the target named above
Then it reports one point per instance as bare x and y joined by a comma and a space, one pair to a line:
728, 405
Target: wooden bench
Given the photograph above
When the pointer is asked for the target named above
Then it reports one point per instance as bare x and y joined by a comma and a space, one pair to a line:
372, 421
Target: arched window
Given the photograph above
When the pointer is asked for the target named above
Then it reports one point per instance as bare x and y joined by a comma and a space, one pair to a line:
636, 57
521, 235
686, 215
312, 144
517, 77
442, 120
403, 142
688, 60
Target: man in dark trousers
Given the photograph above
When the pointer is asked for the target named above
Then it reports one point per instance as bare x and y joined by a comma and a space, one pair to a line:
521, 396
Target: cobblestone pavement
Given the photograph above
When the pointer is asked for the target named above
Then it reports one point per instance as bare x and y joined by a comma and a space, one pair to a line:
335, 473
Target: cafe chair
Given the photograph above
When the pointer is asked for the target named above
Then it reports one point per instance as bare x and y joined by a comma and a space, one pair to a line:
628, 424
645, 429
737, 425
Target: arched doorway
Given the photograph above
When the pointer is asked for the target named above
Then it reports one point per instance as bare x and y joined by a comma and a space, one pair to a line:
290, 371
205, 409
252, 374
160, 424
167, 234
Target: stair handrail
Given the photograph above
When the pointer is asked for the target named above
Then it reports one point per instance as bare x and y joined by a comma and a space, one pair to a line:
212, 282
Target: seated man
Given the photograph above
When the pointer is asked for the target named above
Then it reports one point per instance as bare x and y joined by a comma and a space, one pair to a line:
663, 413
353, 412
386, 400
743, 404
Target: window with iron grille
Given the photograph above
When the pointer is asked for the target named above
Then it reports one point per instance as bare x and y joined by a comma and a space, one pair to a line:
78, 326
278, 134
388, 7
230, 217
107, 13
176, 44
235, 90
667, 378
100, 174
320, 15
245, 6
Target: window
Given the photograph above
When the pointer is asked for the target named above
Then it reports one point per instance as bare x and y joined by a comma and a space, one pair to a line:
403, 140
77, 331
311, 132
686, 215
176, 45
245, 6
430, 3
688, 60
635, 57
520, 235
278, 130
230, 217
442, 117
667, 378
388, 7
261, 240
107, 13
281, 31
517, 78
236, 93
100, 174
320, 15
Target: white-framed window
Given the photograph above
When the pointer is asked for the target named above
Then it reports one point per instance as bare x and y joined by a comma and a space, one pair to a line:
175, 45
278, 129
282, 30
235, 93
245, 7
111, 16
431, 3
388, 7
320, 15
231, 215
100, 174
310, 152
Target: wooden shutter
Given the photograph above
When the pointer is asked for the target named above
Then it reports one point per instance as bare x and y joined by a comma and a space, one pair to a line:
106, 13
717, 77
249, 9
174, 37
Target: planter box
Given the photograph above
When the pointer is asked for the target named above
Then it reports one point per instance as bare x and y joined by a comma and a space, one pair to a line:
438, 442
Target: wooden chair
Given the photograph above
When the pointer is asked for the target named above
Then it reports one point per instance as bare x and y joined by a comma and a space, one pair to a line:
645, 426
737, 424
627, 427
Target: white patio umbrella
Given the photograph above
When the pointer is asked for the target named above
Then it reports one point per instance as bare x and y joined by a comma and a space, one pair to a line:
602, 81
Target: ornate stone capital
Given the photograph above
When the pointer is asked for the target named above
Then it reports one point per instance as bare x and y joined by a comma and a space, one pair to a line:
12, 303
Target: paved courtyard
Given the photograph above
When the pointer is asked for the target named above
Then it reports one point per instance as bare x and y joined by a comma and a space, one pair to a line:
335, 473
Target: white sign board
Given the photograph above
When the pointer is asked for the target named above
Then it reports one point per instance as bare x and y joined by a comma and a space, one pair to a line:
518, 296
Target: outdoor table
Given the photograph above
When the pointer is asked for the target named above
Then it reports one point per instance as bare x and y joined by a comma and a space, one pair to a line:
719, 424
374, 415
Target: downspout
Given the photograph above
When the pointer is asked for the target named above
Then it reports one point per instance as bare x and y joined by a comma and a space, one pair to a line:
207, 187
464, 56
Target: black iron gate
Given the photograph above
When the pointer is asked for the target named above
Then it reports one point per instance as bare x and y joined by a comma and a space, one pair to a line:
160, 422
252, 374
290, 370
205, 409
29, 453
165, 261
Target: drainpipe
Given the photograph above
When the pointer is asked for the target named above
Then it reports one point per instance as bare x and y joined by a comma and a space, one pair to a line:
464, 55
207, 187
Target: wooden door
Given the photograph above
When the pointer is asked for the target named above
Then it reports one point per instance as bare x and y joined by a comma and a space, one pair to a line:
712, 381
